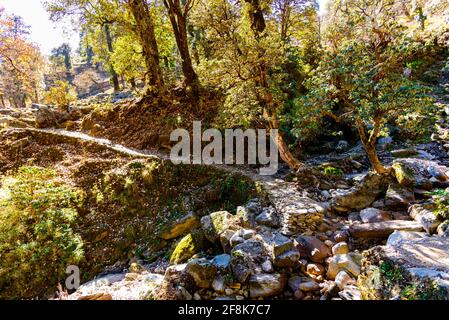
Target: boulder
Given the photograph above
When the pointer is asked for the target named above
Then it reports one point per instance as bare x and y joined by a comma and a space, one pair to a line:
382, 229
294, 283
404, 174
342, 146
309, 286
267, 266
370, 215
350, 263
215, 224
404, 153
287, 259
202, 271
340, 248
247, 258
423, 213
222, 261
190, 245
180, 227
398, 197
315, 269
362, 195
219, 284
247, 214
268, 218
443, 229
350, 293
46, 117
266, 285
343, 279
398, 236
313, 248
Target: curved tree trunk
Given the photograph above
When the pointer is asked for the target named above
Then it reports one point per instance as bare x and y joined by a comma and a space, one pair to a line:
369, 144
258, 26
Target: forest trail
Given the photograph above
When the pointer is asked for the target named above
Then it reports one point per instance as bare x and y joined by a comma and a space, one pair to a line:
297, 212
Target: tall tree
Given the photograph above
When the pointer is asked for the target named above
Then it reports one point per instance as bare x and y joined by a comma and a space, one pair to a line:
144, 28
178, 13
270, 109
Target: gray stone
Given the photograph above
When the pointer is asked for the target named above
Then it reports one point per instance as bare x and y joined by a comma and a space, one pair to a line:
287, 259
222, 261
342, 146
398, 236
362, 195
266, 285
247, 258
268, 218
350, 293
343, 279
219, 284
202, 271
294, 283
398, 197
267, 266
423, 213
215, 224
309, 286
370, 215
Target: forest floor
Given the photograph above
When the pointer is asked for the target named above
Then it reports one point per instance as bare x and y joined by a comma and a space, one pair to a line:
224, 232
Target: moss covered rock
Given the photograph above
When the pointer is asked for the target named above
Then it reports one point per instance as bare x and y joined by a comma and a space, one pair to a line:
180, 226
404, 175
215, 224
190, 245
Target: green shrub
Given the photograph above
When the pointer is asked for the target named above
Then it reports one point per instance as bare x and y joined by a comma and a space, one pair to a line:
37, 241
331, 171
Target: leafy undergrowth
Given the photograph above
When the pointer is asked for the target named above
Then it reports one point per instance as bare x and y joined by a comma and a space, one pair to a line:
387, 281
37, 238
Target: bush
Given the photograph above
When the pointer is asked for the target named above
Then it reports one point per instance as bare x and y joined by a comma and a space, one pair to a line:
37, 241
61, 94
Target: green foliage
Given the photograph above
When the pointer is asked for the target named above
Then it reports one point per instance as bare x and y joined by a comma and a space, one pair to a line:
441, 200
331, 171
37, 240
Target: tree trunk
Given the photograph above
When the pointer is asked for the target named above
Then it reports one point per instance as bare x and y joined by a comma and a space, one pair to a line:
374, 159
369, 144
132, 82
2, 101
114, 75
284, 151
178, 20
258, 26
145, 32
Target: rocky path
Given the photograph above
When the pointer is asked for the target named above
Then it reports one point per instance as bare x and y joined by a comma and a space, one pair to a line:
298, 213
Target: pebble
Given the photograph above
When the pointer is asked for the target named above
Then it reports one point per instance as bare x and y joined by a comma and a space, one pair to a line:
315, 269
343, 279
340, 248
309, 286
329, 243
